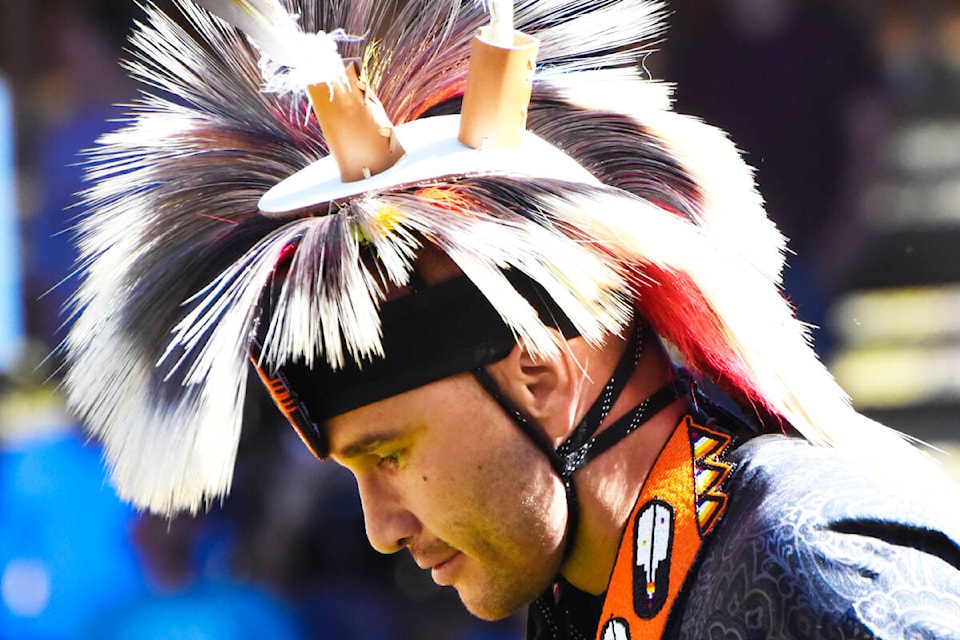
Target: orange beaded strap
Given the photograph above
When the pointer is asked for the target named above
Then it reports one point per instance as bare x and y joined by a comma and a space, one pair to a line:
678, 506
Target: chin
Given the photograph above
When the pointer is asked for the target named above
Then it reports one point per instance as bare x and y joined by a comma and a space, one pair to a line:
493, 604
489, 612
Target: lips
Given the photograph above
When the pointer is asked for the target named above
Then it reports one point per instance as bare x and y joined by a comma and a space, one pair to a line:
430, 561
442, 572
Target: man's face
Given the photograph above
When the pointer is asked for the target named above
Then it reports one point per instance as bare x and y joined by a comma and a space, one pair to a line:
442, 471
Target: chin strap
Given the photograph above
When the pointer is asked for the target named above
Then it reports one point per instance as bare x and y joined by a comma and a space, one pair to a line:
582, 446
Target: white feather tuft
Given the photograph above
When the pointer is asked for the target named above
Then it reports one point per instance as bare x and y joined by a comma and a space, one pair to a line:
292, 59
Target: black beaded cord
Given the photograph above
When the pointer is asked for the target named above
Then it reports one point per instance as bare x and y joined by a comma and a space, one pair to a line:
604, 403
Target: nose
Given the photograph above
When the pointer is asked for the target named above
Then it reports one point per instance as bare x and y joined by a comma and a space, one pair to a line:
390, 526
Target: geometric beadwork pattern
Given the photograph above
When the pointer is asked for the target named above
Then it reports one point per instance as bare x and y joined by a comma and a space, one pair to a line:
709, 473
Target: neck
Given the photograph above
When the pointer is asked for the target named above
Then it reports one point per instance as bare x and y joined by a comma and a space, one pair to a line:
609, 485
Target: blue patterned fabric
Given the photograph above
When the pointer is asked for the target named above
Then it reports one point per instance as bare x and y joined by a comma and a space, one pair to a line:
816, 545
813, 546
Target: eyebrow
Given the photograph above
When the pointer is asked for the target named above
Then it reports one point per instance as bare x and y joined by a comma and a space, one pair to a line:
365, 445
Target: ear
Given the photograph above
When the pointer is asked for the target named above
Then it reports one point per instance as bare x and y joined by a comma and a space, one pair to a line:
544, 390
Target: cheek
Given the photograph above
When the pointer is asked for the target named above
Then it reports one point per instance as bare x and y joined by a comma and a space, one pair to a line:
481, 477
506, 498
538, 507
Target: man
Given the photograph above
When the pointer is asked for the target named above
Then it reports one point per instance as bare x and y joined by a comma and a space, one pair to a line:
475, 320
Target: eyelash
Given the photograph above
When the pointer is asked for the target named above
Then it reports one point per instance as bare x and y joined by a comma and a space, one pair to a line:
392, 460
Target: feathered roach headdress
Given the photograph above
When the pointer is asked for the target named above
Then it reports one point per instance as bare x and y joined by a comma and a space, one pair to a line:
615, 204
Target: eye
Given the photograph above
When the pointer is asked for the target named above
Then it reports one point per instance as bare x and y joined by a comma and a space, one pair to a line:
390, 460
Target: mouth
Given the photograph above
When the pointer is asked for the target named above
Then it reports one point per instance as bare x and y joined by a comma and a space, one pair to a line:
442, 572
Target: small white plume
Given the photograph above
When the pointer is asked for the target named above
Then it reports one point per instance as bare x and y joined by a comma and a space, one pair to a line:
501, 21
291, 59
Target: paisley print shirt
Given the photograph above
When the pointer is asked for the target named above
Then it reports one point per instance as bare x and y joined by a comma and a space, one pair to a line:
813, 545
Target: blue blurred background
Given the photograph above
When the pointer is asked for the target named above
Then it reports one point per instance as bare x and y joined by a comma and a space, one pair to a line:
849, 110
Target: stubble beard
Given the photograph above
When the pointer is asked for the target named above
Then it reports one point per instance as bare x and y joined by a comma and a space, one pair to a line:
501, 592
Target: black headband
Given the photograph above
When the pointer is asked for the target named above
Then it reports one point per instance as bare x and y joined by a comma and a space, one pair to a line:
428, 335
